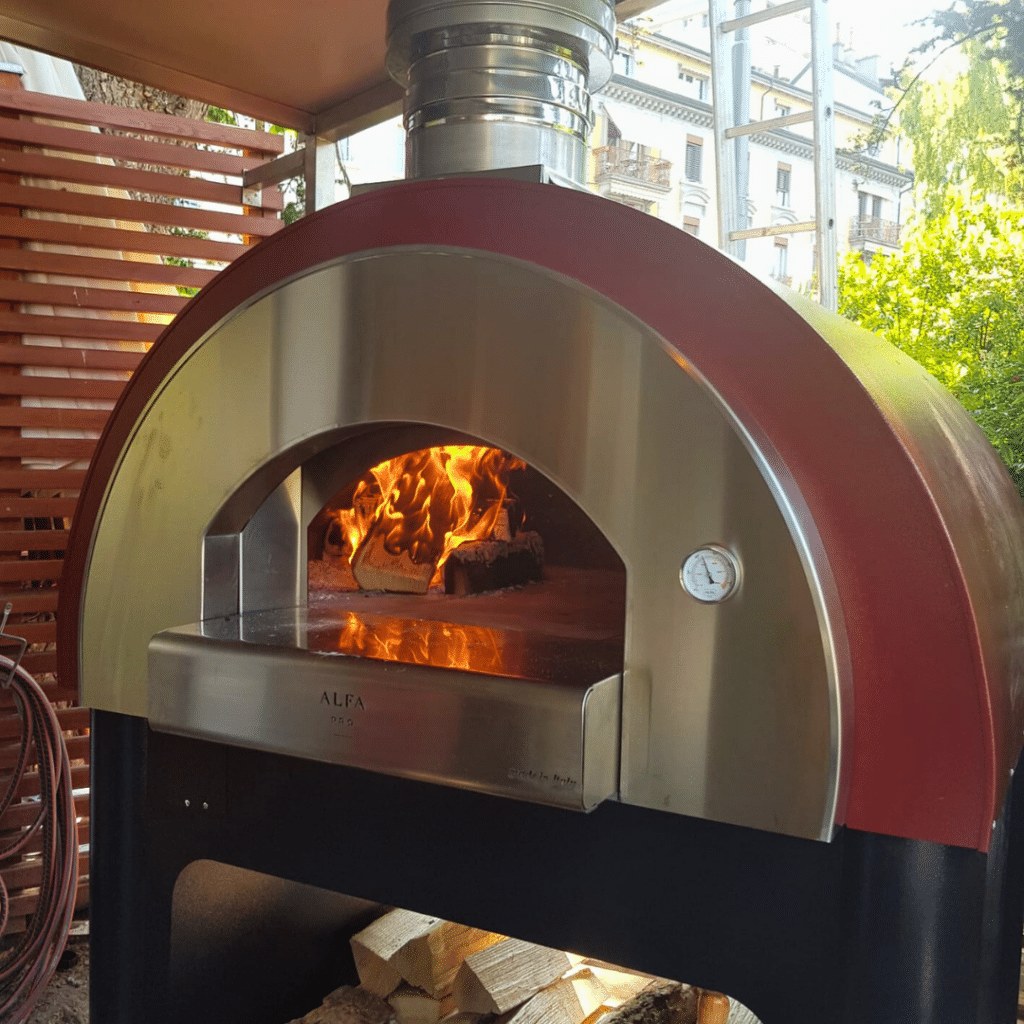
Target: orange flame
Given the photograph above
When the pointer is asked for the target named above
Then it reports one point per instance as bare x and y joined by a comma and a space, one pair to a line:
429, 502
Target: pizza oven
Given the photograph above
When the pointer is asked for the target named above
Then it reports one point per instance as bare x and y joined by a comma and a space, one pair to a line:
483, 547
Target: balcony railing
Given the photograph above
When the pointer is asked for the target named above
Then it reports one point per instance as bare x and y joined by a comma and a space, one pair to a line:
631, 160
874, 229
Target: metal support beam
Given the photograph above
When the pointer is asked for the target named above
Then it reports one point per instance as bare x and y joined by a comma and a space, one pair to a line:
741, 83
766, 15
776, 229
725, 153
824, 155
767, 125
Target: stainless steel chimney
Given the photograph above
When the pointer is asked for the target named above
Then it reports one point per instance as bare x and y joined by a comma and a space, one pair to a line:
493, 85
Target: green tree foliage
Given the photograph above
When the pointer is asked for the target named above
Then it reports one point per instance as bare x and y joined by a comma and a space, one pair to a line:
953, 299
959, 130
995, 31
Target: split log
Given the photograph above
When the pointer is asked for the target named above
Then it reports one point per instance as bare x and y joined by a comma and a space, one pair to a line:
431, 958
499, 978
376, 945
376, 568
663, 1003
569, 1001
622, 986
479, 566
347, 1005
414, 1006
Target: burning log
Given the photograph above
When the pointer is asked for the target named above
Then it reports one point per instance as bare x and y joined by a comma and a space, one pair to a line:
479, 566
503, 976
410, 512
376, 568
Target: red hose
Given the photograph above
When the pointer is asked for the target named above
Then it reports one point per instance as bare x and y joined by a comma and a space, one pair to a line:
26, 968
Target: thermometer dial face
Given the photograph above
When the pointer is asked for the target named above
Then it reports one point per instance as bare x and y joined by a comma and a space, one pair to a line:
710, 574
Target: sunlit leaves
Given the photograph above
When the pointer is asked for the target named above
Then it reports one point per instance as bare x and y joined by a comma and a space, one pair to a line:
953, 299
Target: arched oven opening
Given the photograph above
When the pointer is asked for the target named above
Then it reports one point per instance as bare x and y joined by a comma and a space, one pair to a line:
462, 555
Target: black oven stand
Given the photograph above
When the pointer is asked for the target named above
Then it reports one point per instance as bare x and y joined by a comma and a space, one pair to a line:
868, 928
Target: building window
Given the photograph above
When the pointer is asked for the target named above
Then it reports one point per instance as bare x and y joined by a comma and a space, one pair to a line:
783, 178
691, 225
782, 110
869, 205
624, 63
703, 21
781, 271
694, 157
694, 86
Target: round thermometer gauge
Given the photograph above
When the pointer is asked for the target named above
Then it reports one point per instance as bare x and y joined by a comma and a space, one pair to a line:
710, 574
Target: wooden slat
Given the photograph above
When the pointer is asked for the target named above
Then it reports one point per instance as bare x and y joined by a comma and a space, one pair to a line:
60, 387
33, 540
56, 419
20, 876
35, 844
26, 903
26, 569
36, 479
10, 729
84, 204
27, 602
16, 817
117, 239
35, 508
46, 447
30, 781
98, 329
75, 140
38, 262
145, 122
87, 172
39, 664
33, 632
71, 358
90, 298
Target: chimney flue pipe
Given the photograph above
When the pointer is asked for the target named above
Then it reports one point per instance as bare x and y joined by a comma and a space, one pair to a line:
493, 85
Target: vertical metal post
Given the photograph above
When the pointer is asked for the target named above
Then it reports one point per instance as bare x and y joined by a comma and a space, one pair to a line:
741, 115
824, 156
725, 154
320, 162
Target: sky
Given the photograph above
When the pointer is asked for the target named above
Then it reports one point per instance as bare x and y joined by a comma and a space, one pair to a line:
882, 26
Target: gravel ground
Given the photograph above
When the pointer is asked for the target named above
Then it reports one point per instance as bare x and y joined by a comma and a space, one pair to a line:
66, 999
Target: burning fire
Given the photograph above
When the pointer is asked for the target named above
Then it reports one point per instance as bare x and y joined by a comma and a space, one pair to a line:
421, 506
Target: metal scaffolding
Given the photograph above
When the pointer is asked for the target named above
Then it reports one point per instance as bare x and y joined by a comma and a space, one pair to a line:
730, 78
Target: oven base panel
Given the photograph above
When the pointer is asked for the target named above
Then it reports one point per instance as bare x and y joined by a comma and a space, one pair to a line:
867, 927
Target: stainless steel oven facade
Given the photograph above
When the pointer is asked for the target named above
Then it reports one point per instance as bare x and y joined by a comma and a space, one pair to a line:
732, 712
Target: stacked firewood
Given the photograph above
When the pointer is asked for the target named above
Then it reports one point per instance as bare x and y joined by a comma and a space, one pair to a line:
415, 969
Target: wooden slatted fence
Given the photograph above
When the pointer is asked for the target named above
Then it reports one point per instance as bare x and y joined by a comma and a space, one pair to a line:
86, 286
